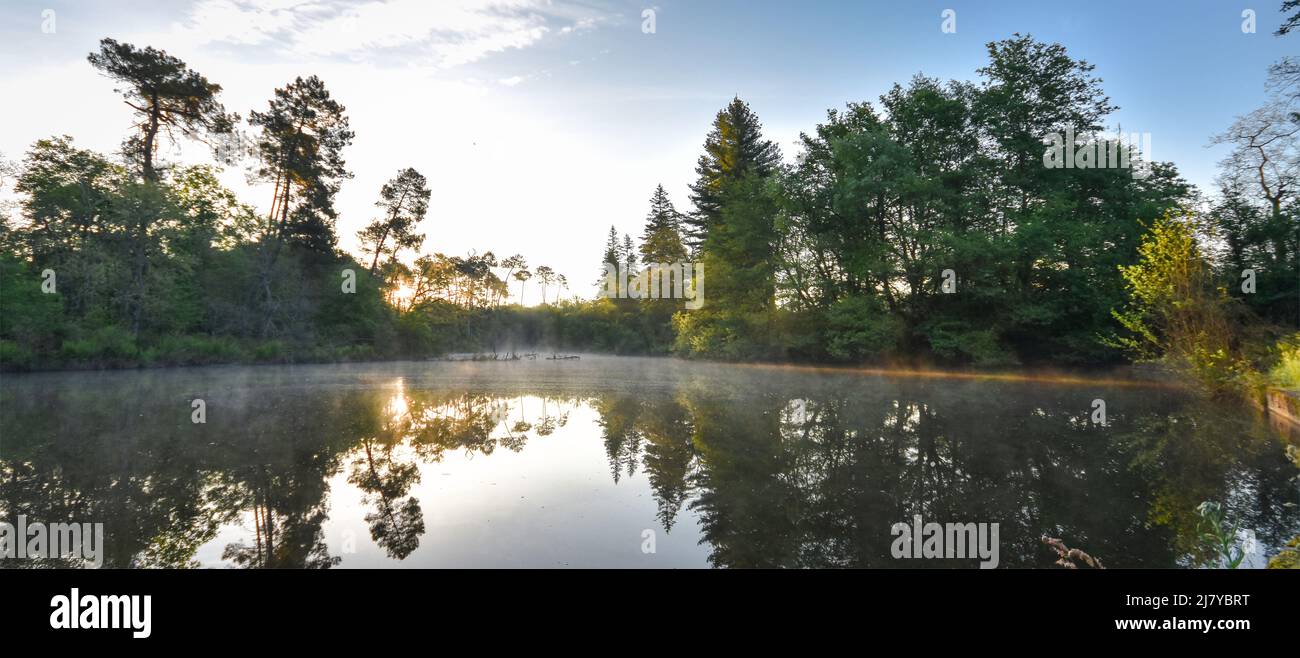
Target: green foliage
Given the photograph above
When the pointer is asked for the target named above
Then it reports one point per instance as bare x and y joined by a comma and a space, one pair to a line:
734, 149
166, 96
404, 201
1176, 312
28, 316
927, 229
859, 329
196, 350
1286, 373
163, 273
661, 241
16, 356
1221, 539
949, 177
107, 346
977, 346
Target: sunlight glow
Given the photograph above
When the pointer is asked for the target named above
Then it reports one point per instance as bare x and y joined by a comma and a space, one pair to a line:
397, 406
401, 296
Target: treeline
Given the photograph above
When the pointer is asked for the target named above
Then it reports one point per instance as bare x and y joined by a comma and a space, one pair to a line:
927, 227
934, 228
126, 260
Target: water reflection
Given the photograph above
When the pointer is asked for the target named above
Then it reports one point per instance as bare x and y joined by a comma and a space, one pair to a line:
758, 468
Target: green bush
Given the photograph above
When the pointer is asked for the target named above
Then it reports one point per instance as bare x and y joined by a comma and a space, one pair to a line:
27, 315
14, 356
272, 351
858, 328
192, 350
1286, 373
107, 346
978, 346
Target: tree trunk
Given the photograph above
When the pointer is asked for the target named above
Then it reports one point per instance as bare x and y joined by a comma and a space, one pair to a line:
379, 249
151, 133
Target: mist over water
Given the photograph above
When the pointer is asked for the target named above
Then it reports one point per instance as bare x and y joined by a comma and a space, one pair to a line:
575, 463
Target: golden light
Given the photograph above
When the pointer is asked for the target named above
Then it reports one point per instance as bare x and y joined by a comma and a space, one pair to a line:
397, 406
401, 296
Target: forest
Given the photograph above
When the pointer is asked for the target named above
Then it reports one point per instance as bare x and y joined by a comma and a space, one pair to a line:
927, 227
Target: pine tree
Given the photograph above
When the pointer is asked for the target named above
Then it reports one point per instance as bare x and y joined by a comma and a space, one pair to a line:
612, 250
166, 96
732, 235
304, 132
404, 200
661, 241
545, 275
628, 254
733, 149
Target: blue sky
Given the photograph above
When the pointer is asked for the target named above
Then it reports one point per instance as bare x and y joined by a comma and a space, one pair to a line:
541, 123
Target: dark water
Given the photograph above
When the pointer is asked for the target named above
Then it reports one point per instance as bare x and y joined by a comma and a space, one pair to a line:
583, 463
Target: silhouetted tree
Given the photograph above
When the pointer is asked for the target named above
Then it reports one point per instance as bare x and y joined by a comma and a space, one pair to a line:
165, 95
404, 201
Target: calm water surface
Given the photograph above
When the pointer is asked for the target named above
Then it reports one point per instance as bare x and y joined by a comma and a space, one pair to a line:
577, 463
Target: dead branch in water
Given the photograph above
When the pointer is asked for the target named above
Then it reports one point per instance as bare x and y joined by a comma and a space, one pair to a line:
1068, 555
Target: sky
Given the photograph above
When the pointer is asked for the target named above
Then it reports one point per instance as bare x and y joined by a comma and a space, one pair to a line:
541, 123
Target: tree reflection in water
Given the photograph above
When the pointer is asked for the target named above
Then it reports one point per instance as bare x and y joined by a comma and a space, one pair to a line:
776, 471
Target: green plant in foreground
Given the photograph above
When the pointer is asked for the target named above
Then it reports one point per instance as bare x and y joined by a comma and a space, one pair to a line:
1217, 536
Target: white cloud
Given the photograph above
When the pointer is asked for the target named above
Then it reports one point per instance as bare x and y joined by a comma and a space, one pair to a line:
581, 26
511, 81
240, 22
446, 33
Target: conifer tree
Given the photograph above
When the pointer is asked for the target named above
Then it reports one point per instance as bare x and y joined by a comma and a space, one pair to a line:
734, 148
404, 200
661, 241
165, 95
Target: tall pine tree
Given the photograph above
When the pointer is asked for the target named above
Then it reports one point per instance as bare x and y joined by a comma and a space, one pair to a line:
734, 148
733, 234
661, 241
628, 254
404, 200
304, 132
611, 255
166, 96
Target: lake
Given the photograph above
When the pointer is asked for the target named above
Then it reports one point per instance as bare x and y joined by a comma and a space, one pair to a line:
627, 462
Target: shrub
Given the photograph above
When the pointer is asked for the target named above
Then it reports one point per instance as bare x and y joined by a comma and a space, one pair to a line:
111, 345
14, 356
978, 346
1176, 312
1286, 373
193, 350
859, 328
